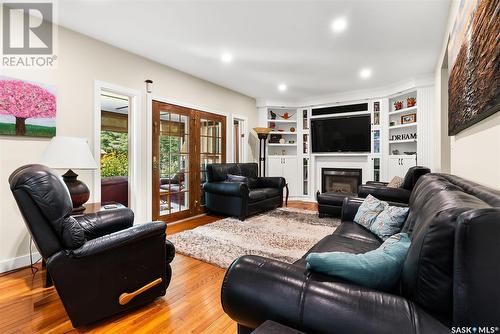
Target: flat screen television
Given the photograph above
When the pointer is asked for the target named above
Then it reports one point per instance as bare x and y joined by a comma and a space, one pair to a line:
341, 134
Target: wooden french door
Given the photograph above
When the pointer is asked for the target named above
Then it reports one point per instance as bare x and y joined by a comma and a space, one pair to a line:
185, 141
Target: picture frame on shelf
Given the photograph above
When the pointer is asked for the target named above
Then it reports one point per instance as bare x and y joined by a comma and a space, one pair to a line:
408, 118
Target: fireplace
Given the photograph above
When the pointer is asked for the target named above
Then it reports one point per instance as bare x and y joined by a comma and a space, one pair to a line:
340, 180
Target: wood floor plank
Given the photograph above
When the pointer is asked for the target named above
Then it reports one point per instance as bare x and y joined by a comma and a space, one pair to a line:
191, 305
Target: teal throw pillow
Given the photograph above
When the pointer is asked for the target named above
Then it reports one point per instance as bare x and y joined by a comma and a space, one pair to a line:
369, 210
378, 269
389, 221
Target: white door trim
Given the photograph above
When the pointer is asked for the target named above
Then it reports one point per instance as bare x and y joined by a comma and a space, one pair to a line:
245, 131
133, 141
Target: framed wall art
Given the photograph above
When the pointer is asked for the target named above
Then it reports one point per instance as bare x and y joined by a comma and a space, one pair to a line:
27, 108
473, 64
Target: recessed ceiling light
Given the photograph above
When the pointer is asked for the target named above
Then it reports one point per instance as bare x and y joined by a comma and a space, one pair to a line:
365, 73
226, 57
339, 25
282, 87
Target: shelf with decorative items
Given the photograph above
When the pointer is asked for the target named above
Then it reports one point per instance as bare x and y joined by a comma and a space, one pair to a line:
402, 135
305, 151
408, 125
403, 110
284, 132
283, 136
377, 115
279, 144
282, 121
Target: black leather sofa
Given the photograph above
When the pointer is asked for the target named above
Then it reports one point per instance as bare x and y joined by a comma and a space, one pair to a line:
237, 198
93, 258
450, 277
402, 194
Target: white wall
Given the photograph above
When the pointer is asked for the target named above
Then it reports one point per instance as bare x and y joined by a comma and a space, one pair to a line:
475, 152
82, 61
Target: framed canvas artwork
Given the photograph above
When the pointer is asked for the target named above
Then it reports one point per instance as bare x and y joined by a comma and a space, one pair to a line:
27, 108
473, 64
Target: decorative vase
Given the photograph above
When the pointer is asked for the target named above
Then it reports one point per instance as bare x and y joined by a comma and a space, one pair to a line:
411, 102
398, 105
78, 191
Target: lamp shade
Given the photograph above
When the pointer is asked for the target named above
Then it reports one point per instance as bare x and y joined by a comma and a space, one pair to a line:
262, 131
68, 153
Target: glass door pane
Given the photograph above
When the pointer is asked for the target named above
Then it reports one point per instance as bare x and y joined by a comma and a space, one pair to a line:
171, 162
174, 163
211, 144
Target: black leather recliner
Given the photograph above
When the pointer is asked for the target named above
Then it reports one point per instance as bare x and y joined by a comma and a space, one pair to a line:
449, 278
94, 258
401, 195
237, 198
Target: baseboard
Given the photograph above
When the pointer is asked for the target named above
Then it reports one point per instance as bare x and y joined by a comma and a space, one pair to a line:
17, 262
302, 199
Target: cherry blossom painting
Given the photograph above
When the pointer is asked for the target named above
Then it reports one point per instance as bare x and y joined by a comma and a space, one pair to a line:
27, 108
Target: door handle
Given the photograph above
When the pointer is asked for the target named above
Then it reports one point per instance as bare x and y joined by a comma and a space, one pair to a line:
156, 165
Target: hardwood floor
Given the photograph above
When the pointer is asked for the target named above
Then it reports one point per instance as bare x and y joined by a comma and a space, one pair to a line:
191, 305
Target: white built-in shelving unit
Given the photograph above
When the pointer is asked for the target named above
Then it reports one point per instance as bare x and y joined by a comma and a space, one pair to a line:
402, 136
390, 139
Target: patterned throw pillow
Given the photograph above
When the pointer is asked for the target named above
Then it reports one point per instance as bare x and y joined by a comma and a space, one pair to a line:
389, 221
396, 182
369, 210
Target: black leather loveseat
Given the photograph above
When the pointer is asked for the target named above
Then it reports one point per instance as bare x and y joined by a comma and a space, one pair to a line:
450, 277
237, 198
401, 194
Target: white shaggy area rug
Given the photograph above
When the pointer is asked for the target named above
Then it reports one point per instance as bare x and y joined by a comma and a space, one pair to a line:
282, 234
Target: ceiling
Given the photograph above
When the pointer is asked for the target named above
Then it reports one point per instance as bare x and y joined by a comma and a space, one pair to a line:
273, 42
114, 103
